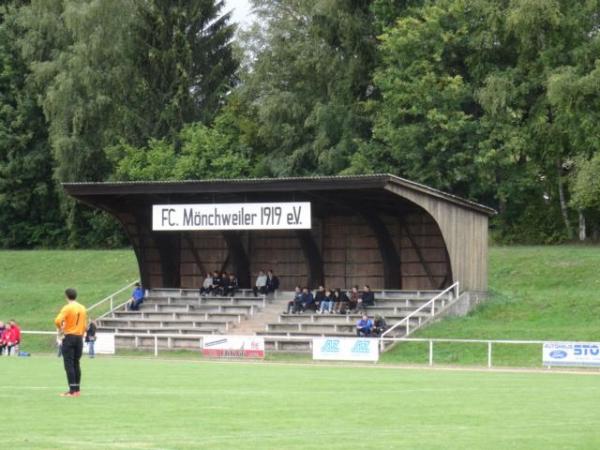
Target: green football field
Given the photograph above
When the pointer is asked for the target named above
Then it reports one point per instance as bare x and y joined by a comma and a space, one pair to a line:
135, 403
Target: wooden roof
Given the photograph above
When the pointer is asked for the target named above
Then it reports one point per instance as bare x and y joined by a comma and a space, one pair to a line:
257, 185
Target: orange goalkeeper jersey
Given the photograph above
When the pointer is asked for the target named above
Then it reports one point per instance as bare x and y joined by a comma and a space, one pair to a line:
72, 319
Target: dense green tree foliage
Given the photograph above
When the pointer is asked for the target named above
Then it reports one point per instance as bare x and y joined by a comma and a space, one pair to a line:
495, 100
29, 210
310, 74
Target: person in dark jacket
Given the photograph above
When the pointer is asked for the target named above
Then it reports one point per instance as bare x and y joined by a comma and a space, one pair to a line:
297, 299
379, 326
90, 338
231, 285
367, 298
307, 301
272, 282
319, 296
340, 301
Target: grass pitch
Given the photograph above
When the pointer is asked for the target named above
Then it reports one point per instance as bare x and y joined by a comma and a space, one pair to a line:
138, 403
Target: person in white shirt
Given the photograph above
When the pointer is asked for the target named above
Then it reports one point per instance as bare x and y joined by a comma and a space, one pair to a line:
206, 284
261, 284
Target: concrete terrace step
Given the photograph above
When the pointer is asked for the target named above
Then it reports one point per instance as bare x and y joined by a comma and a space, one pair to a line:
201, 316
196, 316
175, 292
344, 318
149, 323
162, 330
256, 301
200, 308
341, 320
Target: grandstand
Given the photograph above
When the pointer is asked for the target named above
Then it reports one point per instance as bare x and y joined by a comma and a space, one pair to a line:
177, 318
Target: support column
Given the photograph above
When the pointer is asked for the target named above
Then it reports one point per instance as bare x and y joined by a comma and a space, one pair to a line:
238, 257
312, 254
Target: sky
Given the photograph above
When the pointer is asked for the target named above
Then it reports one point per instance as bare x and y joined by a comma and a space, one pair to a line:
241, 10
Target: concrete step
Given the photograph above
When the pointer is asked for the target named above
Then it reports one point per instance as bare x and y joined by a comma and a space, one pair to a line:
343, 318
326, 328
201, 308
256, 301
194, 316
161, 330
149, 323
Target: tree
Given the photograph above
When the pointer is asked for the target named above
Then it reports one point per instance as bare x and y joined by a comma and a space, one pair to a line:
310, 73
182, 52
29, 213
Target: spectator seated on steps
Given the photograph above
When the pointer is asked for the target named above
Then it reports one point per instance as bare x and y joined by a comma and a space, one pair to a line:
217, 282
137, 298
272, 282
364, 326
326, 303
206, 287
340, 301
367, 298
353, 297
307, 301
231, 285
291, 306
379, 326
319, 296
260, 284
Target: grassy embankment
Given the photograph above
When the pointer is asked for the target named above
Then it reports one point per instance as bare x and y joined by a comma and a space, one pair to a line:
32, 284
546, 293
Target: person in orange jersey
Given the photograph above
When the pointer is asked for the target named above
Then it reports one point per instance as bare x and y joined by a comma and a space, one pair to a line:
72, 322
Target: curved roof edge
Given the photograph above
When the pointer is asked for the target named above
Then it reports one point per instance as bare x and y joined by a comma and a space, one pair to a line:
266, 184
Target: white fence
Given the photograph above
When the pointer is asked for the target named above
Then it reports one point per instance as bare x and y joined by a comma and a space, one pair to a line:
431, 342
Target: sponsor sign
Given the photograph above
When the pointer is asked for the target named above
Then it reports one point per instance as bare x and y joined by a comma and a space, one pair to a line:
571, 354
220, 346
105, 344
232, 216
346, 349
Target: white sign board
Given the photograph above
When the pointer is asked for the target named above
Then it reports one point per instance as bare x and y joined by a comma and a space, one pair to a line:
232, 216
346, 349
104, 345
220, 346
571, 354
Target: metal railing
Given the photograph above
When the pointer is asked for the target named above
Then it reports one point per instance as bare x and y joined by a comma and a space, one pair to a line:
111, 299
455, 288
489, 343
431, 341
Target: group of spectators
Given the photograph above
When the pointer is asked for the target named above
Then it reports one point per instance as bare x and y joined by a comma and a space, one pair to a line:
10, 338
331, 301
328, 301
226, 284
219, 283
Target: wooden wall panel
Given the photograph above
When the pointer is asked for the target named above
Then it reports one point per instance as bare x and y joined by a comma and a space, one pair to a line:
351, 253
278, 250
211, 250
465, 233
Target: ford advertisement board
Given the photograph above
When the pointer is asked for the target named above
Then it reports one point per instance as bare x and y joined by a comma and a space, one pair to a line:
582, 354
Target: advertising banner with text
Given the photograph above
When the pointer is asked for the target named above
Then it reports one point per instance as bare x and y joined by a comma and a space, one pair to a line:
220, 346
346, 349
571, 354
232, 216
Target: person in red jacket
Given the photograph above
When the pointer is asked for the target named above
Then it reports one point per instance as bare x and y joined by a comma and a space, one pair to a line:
7, 339
15, 336
2, 332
